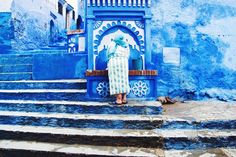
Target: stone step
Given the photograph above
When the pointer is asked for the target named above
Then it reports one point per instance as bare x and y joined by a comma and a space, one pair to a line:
152, 109
44, 84
215, 152
187, 139
87, 136
12, 148
15, 76
43, 94
80, 107
101, 121
15, 68
15, 59
177, 139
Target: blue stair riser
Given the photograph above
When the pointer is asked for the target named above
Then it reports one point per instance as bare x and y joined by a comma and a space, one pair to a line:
15, 68
210, 124
43, 85
183, 143
36, 153
43, 96
186, 143
14, 77
82, 109
80, 123
13, 59
137, 141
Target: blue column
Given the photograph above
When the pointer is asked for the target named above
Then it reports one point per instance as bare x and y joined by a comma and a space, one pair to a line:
148, 43
90, 23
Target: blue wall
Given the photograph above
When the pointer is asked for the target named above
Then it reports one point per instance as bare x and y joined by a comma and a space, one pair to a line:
59, 66
203, 30
6, 31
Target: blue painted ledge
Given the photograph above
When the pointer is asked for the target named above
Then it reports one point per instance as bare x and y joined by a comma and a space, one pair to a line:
142, 84
59, 66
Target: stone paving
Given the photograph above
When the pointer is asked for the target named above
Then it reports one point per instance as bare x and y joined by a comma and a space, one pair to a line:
201, 110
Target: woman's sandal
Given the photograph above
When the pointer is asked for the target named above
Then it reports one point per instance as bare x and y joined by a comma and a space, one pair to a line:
124, 102
115, 103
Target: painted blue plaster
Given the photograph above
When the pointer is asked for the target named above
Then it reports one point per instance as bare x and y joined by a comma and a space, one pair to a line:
79, 123
6, 32
59, 66
195, 65
43, 85
206, 12
82, 109
192, 79
197, 70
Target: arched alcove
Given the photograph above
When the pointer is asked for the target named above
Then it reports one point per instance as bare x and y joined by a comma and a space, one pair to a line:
106, 35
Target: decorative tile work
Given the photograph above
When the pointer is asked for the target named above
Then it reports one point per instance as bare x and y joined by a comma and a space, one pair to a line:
142, 84
104, 32
103, 89
72, 45
97, 24
140, 88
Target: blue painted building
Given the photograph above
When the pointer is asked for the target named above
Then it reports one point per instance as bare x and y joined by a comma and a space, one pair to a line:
29, 25
190, 43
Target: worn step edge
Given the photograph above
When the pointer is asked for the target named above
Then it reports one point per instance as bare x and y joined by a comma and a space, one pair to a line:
217, 152
88, 103
183, 140
105, 137
16, 73
19, 76
82, 116
47, 81
176, 133
66, 149
44, 91
16, 64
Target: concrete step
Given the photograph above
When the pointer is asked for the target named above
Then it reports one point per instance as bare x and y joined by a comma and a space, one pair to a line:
80, 107
15, 76
12, 148
44, 84
15, 68
164, 139
100, 121
152, 109
15, 59
87, 136
215, 152
43, 94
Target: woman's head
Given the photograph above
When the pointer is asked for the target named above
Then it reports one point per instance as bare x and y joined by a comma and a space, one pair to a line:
119, 39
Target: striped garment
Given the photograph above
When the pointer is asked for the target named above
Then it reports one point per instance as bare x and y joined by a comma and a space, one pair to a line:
118, 72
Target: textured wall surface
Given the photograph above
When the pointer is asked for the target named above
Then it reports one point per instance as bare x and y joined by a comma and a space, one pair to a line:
32, 24
6, 31
35, 25
59, 66
204, 32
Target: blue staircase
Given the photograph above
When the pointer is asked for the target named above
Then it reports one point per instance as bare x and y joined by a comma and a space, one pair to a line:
54, 118
16, 67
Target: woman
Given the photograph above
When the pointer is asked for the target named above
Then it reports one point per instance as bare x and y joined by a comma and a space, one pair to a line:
118, 71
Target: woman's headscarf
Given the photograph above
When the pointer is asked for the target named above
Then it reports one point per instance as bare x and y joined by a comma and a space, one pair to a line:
119, 40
